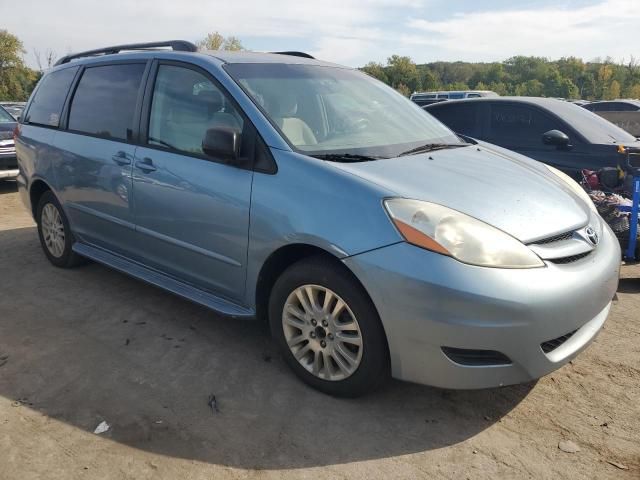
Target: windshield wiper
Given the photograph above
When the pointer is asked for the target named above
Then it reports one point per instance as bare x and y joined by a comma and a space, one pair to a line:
430, 147
347, 157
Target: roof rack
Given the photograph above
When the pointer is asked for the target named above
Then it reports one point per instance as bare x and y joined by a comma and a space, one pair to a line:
176, 45
295, 54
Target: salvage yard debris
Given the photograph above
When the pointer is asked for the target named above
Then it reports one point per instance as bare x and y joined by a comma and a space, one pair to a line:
102, 428
568, 446
213, 404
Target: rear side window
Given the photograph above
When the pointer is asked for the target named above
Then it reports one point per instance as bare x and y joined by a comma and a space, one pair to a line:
46, 106
459, 117
623, 107
518, 125
105, 101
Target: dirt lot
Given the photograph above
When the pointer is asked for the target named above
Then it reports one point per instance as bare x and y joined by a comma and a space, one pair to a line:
90, 344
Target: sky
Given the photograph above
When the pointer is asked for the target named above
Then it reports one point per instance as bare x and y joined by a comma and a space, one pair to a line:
350, 32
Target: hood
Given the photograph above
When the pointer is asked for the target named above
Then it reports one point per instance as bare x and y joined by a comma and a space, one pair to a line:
509, 191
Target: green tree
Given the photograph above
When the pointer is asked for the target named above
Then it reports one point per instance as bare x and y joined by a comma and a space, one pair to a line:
403, 89
217, 41
402, 71
376, 70
429, 80
568, 77
612, 91
16, 80
633, 91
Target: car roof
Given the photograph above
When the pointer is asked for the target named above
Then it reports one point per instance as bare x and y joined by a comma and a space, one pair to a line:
216, 56
621, 100
541, 101
265, 57
452, 91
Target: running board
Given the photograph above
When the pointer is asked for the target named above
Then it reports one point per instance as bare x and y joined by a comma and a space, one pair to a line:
163, 281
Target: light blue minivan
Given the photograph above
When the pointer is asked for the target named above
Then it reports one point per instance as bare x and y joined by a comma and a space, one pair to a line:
374, 240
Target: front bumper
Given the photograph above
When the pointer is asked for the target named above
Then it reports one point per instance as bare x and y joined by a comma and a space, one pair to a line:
428, 301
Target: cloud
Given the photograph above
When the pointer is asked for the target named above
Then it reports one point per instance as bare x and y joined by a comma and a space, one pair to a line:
606, 28
344, 31
330, 27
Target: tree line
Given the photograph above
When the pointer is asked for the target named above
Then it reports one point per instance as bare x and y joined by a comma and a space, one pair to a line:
568, 77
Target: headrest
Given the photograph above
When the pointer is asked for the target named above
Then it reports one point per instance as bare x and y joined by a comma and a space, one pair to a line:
211, 98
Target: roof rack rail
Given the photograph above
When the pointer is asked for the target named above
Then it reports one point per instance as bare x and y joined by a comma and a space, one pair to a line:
177, 45
295, 54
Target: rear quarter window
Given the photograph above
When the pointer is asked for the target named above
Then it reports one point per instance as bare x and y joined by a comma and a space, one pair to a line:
459, 117
48, 100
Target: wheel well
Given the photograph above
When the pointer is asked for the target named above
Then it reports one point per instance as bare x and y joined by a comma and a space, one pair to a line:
277, 263
35, 192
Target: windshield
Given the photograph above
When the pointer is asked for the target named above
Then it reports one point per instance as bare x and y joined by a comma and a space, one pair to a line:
327, 110
5, 117
592, 126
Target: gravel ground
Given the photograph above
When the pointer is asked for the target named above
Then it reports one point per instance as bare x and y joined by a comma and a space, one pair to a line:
78, 347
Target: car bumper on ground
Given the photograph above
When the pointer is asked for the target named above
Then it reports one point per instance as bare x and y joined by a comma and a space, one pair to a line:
430, 304
8, 161
9, 174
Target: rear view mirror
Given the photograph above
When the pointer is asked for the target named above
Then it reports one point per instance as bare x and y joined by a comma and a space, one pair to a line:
555, 137
222, 143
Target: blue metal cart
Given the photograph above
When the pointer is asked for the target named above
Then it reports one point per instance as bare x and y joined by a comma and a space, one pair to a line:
634, 171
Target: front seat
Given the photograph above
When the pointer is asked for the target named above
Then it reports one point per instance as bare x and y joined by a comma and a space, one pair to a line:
214, 104
284, 109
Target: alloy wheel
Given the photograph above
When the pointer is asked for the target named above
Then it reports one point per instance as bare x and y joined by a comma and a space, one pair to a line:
53, 230
322, 332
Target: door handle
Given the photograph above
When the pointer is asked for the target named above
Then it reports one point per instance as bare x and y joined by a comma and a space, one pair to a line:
146, 165
121, 158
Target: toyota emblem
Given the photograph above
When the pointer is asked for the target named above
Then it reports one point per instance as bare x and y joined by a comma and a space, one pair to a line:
592, 236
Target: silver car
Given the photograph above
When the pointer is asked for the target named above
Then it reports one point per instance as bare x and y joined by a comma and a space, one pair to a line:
372, 238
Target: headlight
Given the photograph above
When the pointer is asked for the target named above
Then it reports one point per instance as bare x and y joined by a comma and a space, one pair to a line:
449, 232
573, 185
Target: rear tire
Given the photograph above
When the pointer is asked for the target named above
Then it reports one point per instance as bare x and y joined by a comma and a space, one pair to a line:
327, 328
55, 233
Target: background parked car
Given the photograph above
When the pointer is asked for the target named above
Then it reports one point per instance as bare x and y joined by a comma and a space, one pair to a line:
14, 108
624, 113
613, 106
552, 131
427, 98
580, 102
8, 162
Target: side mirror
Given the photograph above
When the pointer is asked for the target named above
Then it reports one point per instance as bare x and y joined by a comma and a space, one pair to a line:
222, 143
555, 137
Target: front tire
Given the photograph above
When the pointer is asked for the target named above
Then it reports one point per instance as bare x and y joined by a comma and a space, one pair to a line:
327, 328
54, 232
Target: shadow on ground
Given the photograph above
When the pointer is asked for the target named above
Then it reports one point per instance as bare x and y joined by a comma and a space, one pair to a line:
629, 285
90, 344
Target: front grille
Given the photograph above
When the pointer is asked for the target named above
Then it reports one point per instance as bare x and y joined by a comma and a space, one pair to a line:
550, 345
476, 358
555, 238
571, 259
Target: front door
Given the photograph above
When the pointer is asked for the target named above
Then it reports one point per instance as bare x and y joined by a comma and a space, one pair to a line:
95, 155
192, 211
519, 127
